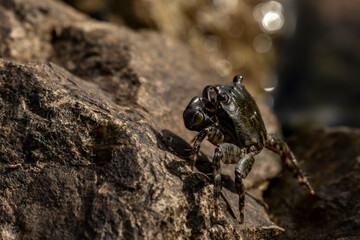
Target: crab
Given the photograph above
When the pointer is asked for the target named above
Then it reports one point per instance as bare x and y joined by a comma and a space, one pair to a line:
230, 119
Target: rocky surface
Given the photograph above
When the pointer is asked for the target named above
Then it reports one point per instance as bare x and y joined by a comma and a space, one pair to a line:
92, 143
91, 135
332, 160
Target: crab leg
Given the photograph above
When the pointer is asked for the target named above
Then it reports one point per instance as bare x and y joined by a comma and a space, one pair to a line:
217, 176
242, 169
214, 136
289, 160
230, 153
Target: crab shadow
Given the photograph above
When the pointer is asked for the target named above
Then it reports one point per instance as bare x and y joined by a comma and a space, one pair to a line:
201, 176
174, 144
194, 182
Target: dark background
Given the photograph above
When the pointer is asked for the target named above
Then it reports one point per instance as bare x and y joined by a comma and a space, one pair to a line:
319, 66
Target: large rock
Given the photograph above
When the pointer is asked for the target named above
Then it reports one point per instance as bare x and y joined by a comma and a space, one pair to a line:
96, 150
76, 165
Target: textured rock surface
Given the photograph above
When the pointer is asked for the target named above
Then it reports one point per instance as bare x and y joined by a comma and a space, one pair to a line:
96, 150
75, 165
332, 159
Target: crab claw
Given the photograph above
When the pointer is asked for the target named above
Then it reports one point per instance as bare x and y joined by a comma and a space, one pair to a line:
196, 115
193, 119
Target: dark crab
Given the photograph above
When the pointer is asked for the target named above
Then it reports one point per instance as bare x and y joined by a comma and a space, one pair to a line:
229, 117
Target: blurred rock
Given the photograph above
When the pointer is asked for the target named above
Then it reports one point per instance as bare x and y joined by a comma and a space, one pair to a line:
332, 160
94, 151
225, 32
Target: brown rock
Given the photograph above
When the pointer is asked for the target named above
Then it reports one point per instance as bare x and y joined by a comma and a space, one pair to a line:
332, 159
96, 153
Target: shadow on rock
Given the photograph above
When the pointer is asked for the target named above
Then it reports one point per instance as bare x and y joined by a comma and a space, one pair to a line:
332, 162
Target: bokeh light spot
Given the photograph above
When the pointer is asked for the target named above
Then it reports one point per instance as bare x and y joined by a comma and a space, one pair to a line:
211, 43
237, 59
270, 16
262, 43
272, 21
223, 68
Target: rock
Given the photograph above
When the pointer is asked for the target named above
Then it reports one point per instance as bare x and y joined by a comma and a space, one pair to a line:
97, 150
77, 166
332, 160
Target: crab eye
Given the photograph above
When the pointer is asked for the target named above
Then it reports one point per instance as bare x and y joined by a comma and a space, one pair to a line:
223, 98
209, 93
198, 119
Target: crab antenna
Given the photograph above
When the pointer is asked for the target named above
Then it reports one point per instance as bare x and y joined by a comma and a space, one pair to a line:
238, 79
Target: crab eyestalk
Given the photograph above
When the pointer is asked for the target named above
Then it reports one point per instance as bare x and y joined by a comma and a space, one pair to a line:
238, 79
209, 93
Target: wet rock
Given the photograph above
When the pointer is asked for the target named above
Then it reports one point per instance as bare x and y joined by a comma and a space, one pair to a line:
91, 145
332, 160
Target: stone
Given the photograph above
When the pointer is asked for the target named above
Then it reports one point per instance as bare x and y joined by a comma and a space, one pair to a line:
92, 143
331, 157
